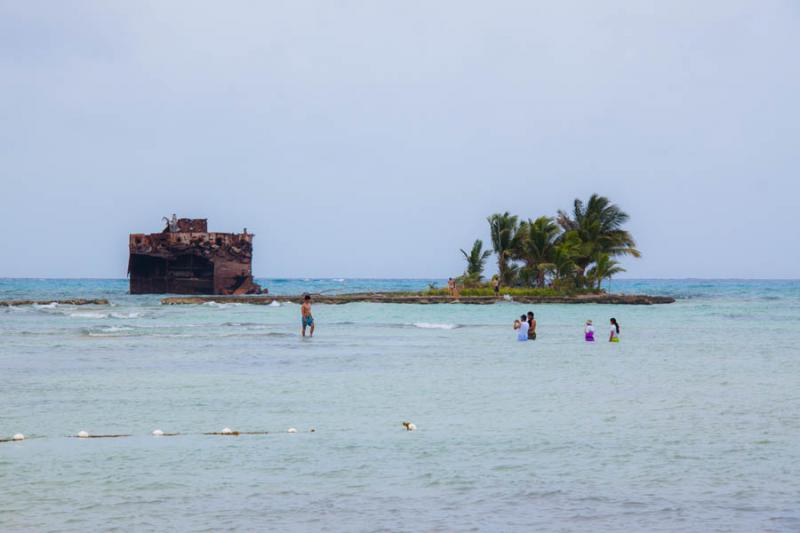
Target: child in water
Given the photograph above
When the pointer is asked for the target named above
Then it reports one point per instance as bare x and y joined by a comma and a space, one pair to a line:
614, 337
588, 331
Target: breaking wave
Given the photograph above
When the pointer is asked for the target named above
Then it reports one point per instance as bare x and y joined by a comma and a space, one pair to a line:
219, 305
125, 315
107, 331
95, 314
430, 325
89, 314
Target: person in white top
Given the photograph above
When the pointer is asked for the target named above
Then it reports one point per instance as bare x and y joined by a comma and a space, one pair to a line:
588, 331
522, 328
614, 335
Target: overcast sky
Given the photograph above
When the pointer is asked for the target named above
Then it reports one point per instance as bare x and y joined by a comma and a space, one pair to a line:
372, 139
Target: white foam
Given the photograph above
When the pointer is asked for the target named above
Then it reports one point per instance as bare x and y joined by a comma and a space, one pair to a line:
88, 314
109, 331
114, 329
171, 326
219, 305
429, 325
126, 315
51, 305
274, 303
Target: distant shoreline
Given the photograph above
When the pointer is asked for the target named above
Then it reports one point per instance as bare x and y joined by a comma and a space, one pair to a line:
403, 298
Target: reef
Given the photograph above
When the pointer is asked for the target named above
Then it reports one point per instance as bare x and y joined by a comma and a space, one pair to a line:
75, 301
404, 298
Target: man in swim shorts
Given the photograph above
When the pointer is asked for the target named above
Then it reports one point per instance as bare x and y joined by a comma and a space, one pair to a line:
306, 317
531, 327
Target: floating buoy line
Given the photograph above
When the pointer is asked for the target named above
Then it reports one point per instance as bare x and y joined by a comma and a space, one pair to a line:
85, 435
226, 432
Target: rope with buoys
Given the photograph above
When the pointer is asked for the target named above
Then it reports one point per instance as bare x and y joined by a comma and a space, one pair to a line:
228, 432
225, 432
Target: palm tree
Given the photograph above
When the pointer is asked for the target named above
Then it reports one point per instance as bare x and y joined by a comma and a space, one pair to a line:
604, 268
502, 228
598, 228
476, 259
563, 267
536, 245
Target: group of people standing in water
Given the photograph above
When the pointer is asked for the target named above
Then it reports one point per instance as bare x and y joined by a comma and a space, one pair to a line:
525, 327
613, 335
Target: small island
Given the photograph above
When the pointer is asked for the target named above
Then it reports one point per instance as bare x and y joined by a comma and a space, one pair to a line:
572, 253
561, 259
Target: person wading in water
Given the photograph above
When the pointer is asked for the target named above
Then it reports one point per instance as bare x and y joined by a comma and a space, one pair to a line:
614, 334
531, 327
522, 328
306, 317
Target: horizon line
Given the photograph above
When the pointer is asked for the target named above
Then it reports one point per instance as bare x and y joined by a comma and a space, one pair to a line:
335, 278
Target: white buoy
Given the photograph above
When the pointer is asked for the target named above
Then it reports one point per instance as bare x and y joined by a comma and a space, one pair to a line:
83, 434
158, 433
227, 431
18, 436
291, 430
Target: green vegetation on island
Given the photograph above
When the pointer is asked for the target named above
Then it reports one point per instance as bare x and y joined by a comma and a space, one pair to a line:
482, 290
570, 253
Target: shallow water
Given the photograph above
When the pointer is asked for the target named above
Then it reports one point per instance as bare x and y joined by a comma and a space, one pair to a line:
692, 422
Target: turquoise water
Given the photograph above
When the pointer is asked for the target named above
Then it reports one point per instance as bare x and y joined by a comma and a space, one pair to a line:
691, 423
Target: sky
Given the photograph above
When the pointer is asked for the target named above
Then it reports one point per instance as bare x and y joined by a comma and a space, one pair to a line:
373, 138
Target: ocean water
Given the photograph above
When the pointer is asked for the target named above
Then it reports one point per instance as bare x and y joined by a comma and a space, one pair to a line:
691, 423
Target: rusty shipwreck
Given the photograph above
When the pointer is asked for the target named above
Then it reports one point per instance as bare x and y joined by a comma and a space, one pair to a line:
185, 258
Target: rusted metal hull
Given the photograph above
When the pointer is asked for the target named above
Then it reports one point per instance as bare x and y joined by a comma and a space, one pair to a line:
187, 259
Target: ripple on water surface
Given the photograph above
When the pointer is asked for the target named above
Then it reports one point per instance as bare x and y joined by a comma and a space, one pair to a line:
690, 423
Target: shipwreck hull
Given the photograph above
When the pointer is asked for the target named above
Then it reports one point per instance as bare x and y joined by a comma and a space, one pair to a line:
187, 259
